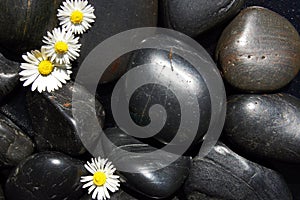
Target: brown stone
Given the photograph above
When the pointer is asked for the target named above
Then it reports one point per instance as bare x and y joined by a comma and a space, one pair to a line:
259, 51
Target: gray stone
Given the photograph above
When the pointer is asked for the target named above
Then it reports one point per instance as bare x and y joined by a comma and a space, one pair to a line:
267, 126
15, 146
8, 75
53, 121
47, 176
193, 17
223, 175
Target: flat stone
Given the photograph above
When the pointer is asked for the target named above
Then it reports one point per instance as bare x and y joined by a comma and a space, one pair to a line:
53, 122
9, 76
30, 20
223, 174
194, 17
113, 17
162, 183
181, 76
15, 146
266, 126
258, 51
47, 175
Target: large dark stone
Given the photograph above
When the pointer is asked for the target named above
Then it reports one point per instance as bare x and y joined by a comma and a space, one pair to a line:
47, 175
113, 17
265, 125
8, 75
155, 184
193, 17
26, 22
15, 146
259, 51
182, 75
53, 121
223, 174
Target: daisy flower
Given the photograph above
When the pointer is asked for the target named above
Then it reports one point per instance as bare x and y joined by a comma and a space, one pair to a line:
42, 73
61, 46
102, 180
76, 16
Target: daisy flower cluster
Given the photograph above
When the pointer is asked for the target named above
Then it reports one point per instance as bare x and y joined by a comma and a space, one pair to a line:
50, 67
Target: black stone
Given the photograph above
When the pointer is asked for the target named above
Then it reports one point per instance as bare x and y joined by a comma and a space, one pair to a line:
265, 125
194, 17
8, 75
15, 108
113, 17
162, 183
47, 175
223, 174
258, 51
15, 146
26, 22
1, 194
150, 94
53, 121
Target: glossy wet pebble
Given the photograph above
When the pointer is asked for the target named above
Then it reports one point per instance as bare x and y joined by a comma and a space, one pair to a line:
53, 122
223, 174
156, 184
15, 146
259, 51
267, 126
193, 17
47, 175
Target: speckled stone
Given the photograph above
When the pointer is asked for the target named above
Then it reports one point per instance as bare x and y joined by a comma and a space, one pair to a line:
223, 175
193, 17
47, 175
258, 51
26, 22
265, 125
53, 121
162, 183
15, 146
113, 17
8, 75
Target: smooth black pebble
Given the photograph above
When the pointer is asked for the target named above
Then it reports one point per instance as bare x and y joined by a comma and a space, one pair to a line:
194, 17
162, 183
223, 174
47, 176
266, 126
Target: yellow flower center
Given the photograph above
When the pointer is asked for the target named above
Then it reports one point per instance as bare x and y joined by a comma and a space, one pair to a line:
76, 17
61, 47
99, 178
45, 67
